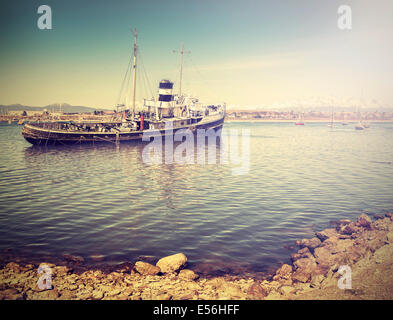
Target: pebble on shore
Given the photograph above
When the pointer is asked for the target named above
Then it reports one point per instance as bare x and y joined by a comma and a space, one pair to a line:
313, 272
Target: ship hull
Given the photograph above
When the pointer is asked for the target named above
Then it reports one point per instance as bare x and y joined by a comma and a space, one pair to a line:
41, 136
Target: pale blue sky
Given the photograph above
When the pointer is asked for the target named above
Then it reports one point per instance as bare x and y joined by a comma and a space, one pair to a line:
246, 53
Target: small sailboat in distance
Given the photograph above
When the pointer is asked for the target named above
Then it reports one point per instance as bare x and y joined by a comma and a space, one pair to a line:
331, 120
299, 121
359, 125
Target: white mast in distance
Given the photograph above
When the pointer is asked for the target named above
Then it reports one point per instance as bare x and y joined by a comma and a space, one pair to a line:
134, 74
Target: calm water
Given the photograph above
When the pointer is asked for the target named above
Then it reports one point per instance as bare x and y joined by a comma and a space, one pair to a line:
105, 200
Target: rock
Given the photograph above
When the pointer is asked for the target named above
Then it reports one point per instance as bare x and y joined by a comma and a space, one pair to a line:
284, 271
349, 229
67, 295
274, 295
72, 258
325, 234
287, 290
12, 294
363, 221
13, 266
61, 270
301, 254
324, 256
344, 222
146, 268
301, 275
310, 243
285, 281
97, 295
389, 237
256, 292
172, 263
187, 275
316, 280
378, 216
304, 253
376, 240
335, 245
389, 214
186, 296
229, 290
46, 295
302, 287
214, 283
306, 264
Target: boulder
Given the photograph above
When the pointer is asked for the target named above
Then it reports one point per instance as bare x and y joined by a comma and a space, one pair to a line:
145, 268
12, 294
306, 264
186, 274
287, 290
97, 295
228, 290
348, 229
316, 280
301, 275
13, 267
46, 295
172, 263
256, 292
283, 272
363, 221
344, 222
324, 256
335, 245
325, 234
310, 243
302, 253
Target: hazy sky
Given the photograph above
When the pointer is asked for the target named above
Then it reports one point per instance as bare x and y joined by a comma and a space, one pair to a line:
246, 53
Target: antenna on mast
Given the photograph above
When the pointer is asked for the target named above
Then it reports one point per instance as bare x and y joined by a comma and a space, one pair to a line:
181, 64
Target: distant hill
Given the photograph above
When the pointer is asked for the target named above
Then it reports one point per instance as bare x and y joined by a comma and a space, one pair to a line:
65, 107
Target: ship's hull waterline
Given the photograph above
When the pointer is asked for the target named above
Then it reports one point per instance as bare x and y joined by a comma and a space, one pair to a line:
42, 136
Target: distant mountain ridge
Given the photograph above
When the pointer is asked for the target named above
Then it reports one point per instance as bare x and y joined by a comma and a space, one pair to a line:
65, 107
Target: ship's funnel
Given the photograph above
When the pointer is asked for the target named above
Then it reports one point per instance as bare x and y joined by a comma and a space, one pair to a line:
165, 93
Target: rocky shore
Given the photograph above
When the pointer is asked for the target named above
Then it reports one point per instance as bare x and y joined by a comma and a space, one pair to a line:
365, 246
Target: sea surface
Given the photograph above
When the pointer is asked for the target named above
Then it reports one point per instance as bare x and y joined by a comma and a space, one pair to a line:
104, 200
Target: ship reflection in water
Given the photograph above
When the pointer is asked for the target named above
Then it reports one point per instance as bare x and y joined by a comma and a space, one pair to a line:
104, 200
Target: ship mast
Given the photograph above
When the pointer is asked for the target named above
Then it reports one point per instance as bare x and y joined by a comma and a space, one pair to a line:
181, 64
134, 74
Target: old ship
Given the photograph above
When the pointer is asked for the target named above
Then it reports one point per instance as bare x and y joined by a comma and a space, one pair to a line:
168, 110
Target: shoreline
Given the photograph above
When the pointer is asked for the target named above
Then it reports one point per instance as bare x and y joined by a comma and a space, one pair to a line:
337, 122
365, 246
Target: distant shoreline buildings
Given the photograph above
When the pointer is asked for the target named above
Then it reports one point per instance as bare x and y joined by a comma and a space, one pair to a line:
308, 115
68, 112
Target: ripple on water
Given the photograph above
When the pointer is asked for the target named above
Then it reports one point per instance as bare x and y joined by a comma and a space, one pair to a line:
103, 199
